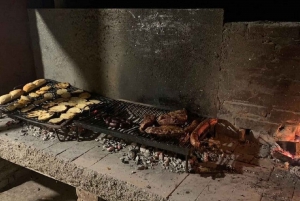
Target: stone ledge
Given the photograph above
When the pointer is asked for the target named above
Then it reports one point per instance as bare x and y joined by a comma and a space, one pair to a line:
71, 174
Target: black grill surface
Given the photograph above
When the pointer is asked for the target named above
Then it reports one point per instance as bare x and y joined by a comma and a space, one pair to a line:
134, 112
17, 114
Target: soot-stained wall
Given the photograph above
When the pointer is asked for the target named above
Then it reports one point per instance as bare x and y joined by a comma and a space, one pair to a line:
161, 57
260, 75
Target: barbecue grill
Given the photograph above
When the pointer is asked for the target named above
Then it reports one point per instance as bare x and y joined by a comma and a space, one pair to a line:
93, 120
134, 112
17, 114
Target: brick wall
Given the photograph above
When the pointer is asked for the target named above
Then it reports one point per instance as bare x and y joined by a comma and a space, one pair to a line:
259, 86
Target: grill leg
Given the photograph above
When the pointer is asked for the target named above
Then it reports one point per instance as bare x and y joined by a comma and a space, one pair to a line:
187, 163
59, 137
78, 133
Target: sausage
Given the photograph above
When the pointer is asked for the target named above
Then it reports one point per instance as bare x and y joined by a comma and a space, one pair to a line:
200, 130
192, 126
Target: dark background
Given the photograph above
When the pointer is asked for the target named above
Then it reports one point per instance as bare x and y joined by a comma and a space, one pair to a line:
234, 11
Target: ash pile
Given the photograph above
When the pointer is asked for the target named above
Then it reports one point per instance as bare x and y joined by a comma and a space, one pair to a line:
141, 157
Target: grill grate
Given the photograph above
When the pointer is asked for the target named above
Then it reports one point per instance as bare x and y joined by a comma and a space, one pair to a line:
17, 114
134, 112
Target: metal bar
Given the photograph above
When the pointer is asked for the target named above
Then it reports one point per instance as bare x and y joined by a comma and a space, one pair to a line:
187, 163
134, 138
78, 133
58, 136
38, 123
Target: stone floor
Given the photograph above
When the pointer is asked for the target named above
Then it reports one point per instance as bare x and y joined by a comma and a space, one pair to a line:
38, 187
86, 166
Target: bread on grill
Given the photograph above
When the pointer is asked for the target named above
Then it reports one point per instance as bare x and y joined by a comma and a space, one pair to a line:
48, 96
33, 95
58, 108
62, 85
74, 110
16, 93
24, 100
45, 116
85, 95
67, 116
55, 120
28, 108
39, 82
45, 88
29, 87
5, 99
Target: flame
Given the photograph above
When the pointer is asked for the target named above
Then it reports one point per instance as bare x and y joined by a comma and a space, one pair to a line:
286, 153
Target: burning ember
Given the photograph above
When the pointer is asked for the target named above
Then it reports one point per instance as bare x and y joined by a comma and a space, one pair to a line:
287, 146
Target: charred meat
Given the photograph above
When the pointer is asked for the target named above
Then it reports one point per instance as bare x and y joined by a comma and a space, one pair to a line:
184, 139
192, 126
149, 120
173, 118
117, 122
165, 130
201, 130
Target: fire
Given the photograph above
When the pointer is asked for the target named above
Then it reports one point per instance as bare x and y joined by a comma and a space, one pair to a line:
287, 145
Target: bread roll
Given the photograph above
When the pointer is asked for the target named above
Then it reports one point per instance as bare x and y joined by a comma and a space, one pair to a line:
5, 99
11, 107
24, 100
16, 93
56, 120
29, 87
39, 82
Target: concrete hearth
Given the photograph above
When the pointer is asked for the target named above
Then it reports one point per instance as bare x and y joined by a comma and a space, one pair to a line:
85, 166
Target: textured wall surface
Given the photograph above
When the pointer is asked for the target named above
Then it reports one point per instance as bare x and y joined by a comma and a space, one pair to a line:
16, 58
160, 57
260, 68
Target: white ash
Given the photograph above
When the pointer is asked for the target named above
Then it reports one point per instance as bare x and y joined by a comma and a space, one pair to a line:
37, 132
141, 157
295, 170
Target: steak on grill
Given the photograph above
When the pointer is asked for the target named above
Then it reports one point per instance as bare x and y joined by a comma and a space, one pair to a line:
173, 118
149, 120
164, 130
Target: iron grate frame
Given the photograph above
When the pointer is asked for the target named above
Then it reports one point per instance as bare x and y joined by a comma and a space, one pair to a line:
134, 112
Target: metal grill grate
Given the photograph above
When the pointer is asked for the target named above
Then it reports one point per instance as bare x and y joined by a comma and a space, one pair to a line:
17, 114
134, 112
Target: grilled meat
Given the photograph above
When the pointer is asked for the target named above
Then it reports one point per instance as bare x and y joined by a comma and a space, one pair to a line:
173, 118
184, 139
149, 120
192, 126
201, 130
165, 130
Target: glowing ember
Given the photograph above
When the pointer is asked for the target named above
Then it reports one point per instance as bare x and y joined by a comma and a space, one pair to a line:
287, 147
